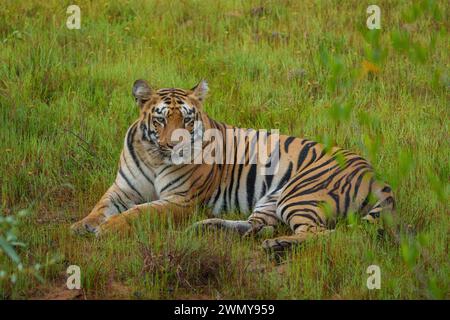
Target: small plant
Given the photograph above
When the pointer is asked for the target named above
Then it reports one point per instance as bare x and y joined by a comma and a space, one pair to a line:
186, 265
12, 266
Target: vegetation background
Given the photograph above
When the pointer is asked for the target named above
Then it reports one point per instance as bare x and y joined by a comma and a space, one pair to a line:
309, 68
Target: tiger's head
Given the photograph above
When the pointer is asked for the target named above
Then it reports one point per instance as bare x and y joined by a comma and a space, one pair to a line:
164, 111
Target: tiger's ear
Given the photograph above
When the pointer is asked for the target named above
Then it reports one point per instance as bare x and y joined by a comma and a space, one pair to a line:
201, 90
141, 92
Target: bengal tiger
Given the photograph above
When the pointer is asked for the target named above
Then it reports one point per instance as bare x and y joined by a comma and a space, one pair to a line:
311, 188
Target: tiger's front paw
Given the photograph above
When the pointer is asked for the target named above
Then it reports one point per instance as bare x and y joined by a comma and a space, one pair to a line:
259, 230
114, 225
85, 226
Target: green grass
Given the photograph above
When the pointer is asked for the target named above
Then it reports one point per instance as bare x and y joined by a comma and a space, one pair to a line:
65, 105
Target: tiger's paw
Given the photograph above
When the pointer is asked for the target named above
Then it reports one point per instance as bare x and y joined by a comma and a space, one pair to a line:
276, 244
115, 225
259, 230
85, 226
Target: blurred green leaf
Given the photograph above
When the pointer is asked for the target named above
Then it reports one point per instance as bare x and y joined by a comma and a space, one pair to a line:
372, 37
400, 41
340, 112
412, 13
432, 7
9, 250
433, 288
439, 187
324, 55
327, 209
409, 253
352, 219
423, 239
418, 53
341, 160
328, 142
405, 163
372, 145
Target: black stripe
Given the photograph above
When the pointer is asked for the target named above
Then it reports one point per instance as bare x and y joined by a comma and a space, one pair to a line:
227, 191
313, 203
130, 184
286, 177
251, 179
297, 225
236, 197
287, 143
178, 179
312, 217
119, 198
358, 184
127, 166
120, 189
304, 153
115, 205
133, 153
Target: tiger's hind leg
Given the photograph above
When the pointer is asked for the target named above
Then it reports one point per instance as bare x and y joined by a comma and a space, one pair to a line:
305, 217
282, 243
263, 217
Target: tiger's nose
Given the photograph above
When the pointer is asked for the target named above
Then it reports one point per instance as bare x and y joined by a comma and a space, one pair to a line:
169, 143
173, 142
